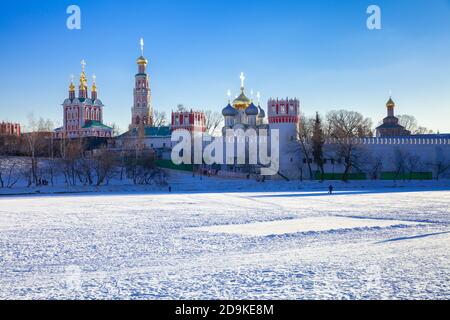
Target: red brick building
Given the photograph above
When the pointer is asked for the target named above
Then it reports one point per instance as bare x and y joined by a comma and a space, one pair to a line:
193, 121
9, 129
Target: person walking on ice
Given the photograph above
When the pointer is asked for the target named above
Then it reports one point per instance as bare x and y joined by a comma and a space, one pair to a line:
330, 189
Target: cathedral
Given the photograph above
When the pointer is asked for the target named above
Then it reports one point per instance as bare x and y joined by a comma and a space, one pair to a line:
83, 115
242, 113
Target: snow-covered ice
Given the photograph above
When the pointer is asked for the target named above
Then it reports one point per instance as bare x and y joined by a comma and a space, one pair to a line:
356, 245
326, 223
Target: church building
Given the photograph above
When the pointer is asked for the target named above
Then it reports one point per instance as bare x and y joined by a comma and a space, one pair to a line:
242, 113
390, 126
83, 115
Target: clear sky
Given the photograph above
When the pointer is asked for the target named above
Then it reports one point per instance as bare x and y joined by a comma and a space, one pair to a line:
319, 51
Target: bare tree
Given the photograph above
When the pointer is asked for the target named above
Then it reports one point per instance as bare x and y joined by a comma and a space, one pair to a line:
38, 132
213, 121
441, 163
84, 170
141, 168
318, 140
9, 145
375, 165
160, 119
115, 129
104, 162
304, 137
400, 160
10, 171
71, 161
181, 108
345, 127
413, 164
410, 123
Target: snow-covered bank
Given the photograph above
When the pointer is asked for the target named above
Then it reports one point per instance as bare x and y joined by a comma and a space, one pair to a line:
181, 182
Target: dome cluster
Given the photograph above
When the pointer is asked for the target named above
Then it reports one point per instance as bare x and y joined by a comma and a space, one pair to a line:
242, 102
245, 104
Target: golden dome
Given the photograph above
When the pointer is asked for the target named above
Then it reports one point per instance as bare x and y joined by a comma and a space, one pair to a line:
390, 103
83, 81
142, 60
71, 87
242, 102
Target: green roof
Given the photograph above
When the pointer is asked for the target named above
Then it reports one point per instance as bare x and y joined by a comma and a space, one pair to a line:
158, 131
151, 132
95, 124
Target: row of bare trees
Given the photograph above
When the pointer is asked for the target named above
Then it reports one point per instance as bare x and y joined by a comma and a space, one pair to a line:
345, 127
80, 168
341, 125
39, 159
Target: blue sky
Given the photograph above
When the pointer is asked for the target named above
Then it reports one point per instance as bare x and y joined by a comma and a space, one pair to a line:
319, 51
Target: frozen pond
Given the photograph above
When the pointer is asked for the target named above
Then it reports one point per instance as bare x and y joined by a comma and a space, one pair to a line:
289, 245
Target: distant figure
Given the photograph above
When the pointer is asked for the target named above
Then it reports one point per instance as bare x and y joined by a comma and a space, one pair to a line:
330, 189
170, 189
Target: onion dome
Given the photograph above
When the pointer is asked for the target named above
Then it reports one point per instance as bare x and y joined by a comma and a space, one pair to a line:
94, 84
252, 110
262, 113
390, 103
142, 60
83, 80
241, 102
229, 111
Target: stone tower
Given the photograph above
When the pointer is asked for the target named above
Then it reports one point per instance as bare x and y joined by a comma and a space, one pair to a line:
142, 112
284, 115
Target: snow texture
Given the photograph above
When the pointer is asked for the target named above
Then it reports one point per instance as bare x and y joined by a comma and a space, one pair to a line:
357, 244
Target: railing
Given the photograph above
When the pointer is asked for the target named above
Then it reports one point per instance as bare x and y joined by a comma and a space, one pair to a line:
391, 141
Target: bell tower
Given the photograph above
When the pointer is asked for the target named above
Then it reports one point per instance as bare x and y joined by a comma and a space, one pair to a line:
142, 112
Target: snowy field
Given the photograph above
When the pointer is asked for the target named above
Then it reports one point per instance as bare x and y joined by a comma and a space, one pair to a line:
239, 245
